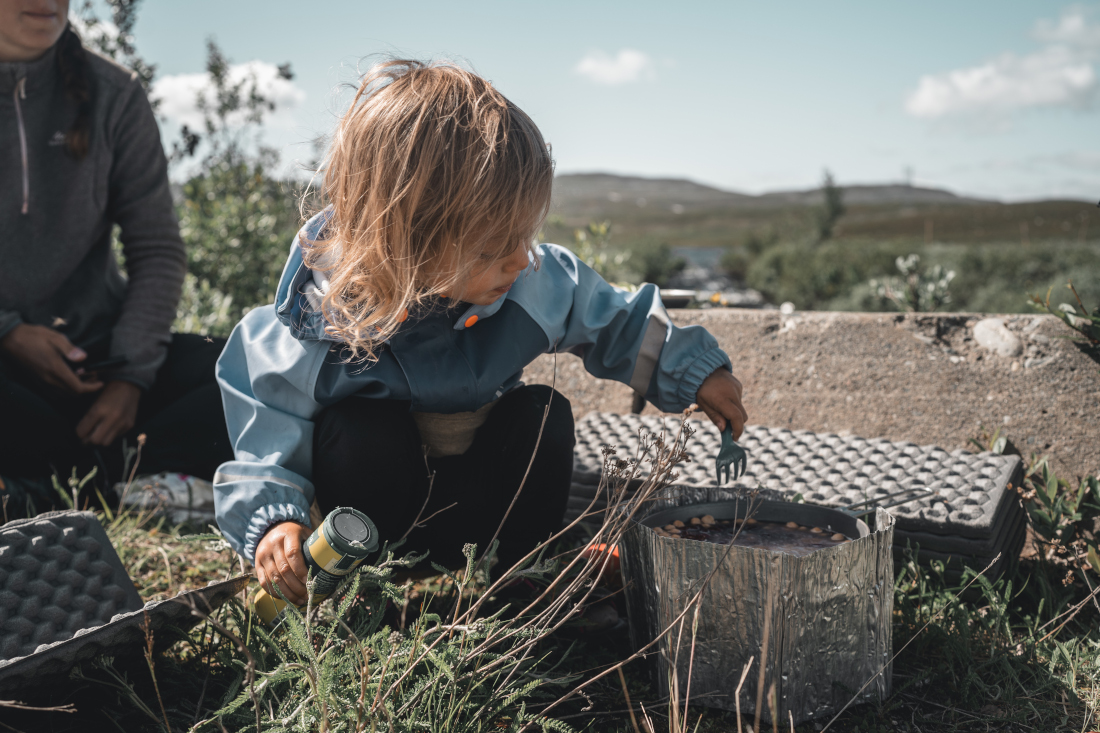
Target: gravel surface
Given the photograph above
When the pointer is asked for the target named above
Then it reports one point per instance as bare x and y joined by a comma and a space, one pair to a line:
915, 377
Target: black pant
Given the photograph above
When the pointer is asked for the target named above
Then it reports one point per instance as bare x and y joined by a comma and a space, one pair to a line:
367, 454
181, 417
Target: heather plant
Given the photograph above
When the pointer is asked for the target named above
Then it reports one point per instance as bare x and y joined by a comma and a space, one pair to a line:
918, 290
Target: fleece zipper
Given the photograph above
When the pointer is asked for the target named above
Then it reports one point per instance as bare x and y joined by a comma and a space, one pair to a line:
20, 92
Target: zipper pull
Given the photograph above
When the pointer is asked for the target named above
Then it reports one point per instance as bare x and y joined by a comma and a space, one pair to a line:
21, 92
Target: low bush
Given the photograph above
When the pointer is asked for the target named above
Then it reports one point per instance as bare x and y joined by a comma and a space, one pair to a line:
238, 224
989, 278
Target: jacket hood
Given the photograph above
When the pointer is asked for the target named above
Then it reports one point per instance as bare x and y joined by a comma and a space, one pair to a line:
301, 290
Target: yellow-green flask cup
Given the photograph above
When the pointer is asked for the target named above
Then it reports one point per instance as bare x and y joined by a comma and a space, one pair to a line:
334, 549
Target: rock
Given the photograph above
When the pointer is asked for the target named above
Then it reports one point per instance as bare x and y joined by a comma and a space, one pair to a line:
995, 336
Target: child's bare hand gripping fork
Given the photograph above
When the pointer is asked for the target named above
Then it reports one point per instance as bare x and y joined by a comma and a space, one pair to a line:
720, 398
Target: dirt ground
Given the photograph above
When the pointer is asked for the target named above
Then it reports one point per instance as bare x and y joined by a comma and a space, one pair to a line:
908, 377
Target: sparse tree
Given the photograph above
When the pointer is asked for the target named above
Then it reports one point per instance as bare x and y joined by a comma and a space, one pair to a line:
832, 208
115, 38
236, 217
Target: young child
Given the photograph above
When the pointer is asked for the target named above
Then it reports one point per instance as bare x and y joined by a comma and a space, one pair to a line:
386, 376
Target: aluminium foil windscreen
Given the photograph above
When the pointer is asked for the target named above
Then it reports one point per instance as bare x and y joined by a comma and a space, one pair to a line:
829, 615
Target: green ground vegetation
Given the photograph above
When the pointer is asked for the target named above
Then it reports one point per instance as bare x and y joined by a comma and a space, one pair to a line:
999, 252
453, 653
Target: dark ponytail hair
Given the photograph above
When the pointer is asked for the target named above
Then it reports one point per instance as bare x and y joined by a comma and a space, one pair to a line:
72, 61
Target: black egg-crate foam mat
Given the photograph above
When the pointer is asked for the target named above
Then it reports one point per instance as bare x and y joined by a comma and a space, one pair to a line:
970, 514
65, 597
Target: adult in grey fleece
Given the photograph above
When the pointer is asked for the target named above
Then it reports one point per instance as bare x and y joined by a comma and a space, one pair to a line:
57, 212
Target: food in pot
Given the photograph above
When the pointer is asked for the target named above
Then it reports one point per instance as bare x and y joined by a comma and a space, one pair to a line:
788, 537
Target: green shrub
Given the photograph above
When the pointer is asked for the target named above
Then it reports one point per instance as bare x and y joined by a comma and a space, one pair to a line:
654, 263
918, 289
735, 263
236, 218
811, 276
990, 278
238, 223
994, 278
203, 309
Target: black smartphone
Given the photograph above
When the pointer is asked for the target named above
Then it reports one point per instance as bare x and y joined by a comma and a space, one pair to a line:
102, 365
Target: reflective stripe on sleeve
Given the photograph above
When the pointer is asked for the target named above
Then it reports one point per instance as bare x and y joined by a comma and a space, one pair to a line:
656, 332
225, 478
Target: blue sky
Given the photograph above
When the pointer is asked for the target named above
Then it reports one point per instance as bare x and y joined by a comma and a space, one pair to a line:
997, 99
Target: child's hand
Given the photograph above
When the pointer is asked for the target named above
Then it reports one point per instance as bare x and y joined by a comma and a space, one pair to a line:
279, 560
720, 398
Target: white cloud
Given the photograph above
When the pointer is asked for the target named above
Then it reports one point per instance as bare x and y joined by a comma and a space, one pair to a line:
1059, 75
179, 93
626, 66
1072, 29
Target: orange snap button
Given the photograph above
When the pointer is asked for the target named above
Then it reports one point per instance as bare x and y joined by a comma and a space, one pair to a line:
404, 314
470, 321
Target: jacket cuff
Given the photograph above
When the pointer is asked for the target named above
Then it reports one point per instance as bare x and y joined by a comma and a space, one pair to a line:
698, 371
264, 519
8, 321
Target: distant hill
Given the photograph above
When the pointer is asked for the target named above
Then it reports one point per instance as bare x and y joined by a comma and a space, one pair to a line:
578, 193
873, 195
681, 213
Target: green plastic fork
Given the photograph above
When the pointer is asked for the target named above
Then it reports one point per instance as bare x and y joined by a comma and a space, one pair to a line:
731, 456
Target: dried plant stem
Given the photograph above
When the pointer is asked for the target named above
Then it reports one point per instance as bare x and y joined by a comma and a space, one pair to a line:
133, 469
691, 662
629, 706
763, 663
152, 672
530, 462
1070, 612
431, 483
250, 675
773, 706
737, 692
674, 684
16, 705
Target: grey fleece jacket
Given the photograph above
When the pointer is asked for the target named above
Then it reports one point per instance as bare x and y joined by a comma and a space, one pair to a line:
56, 215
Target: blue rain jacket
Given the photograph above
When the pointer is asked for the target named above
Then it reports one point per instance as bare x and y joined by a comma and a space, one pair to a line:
280, 369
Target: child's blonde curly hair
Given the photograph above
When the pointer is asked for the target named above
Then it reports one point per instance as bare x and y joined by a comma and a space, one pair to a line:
432, 175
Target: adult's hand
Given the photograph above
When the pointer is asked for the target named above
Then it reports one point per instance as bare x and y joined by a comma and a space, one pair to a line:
279, 561
720, 398
112, 414
47, 354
